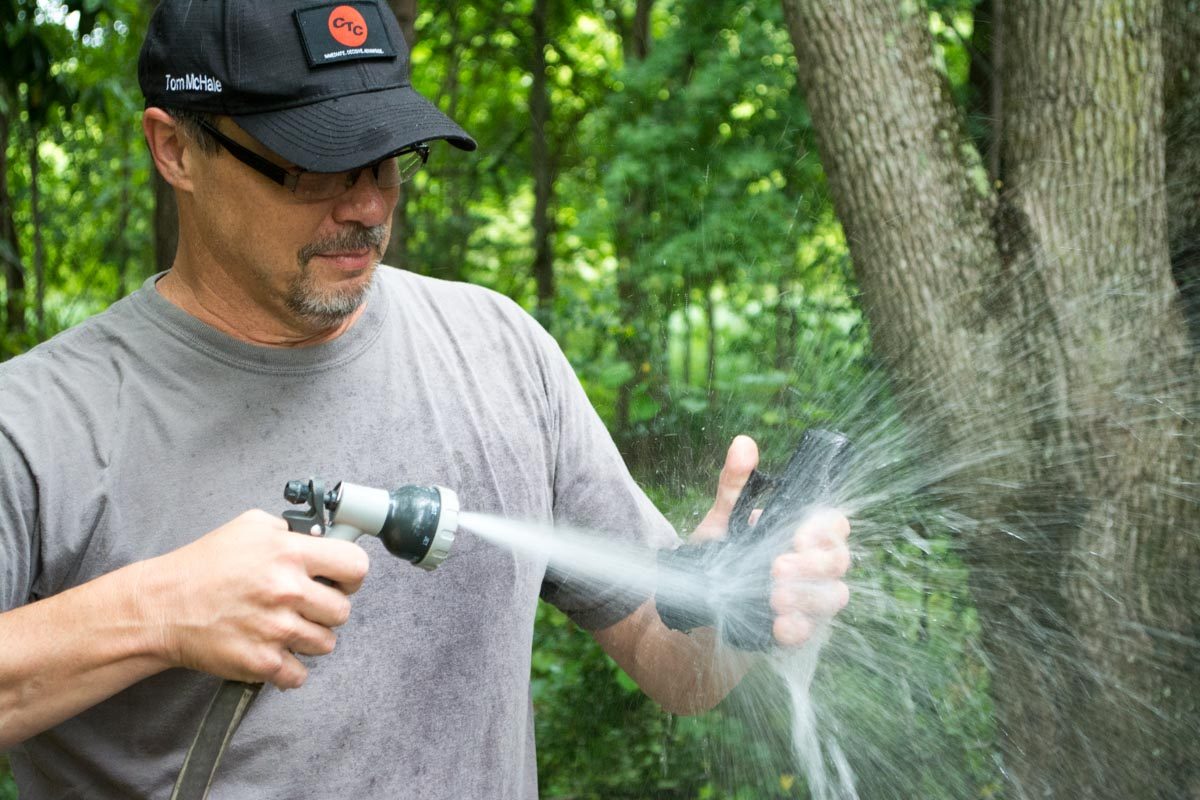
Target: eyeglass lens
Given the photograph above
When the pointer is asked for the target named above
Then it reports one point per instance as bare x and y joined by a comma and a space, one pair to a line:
388, 173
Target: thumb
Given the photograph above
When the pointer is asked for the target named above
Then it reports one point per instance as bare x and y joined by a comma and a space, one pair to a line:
740, 461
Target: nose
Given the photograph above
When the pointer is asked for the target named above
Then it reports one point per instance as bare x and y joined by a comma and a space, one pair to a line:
365, 202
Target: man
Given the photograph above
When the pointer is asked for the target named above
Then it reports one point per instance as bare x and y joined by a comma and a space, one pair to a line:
275, 348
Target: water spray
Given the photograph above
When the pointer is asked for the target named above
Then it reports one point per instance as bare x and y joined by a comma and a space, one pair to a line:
736, 571
415, 523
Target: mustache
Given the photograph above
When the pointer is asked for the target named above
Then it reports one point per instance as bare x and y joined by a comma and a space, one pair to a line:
355, 237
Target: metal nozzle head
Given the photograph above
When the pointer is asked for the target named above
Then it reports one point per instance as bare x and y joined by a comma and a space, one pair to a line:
420, 524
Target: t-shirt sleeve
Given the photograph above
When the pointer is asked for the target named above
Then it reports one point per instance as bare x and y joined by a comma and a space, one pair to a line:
594, 491
18, 526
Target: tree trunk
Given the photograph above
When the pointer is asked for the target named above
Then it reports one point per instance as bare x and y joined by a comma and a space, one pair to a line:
166, 213
786, 324
995, 97
1043, 324
1089, 197
117, 249
166, 222
39, 249
632, 346
448, 230
639, 42
687, 336
406, 15
543, 167
710, 315
1181, 99
10, 254
397, 250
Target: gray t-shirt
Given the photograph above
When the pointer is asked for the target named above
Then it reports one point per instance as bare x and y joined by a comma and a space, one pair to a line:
141, 429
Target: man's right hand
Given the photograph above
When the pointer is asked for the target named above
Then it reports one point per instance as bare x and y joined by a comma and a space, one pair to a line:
238, 602
241, 601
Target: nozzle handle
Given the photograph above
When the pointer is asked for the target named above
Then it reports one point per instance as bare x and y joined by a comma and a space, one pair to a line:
736, 567
755, 494
813, 477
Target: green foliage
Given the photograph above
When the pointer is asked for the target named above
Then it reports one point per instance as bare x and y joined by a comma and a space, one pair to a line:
908, 691
600, 738
703, 289
691, 176
95, 225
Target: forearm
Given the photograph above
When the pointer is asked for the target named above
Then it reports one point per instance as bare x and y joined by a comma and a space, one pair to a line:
64, 654
684, 673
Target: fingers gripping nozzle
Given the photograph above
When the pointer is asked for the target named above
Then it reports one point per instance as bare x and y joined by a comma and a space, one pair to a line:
727, 583
416, 523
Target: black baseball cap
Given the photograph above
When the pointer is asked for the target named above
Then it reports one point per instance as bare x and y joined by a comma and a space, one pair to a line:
327, 86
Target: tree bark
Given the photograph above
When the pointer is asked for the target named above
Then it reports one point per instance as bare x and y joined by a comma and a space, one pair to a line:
640, 40
787, 324
166, 212
687, 335
166, 222
10, 254
543, 166
397, 250
710, 316
445, 247
1089, 199
1044, 324
1181, 101
406, 15
632, 347
39, 248
632, 344
116, 249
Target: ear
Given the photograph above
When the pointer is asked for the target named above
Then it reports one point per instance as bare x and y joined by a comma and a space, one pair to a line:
171, 150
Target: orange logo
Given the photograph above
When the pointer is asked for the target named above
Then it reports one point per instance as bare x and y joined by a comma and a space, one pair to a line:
347, 26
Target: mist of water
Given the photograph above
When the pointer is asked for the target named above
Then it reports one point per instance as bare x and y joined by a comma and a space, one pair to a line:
588, 557
974, 574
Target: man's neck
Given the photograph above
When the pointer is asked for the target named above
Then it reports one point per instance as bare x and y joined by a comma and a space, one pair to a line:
243, 320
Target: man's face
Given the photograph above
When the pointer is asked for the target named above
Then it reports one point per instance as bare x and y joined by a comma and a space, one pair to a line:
307, 263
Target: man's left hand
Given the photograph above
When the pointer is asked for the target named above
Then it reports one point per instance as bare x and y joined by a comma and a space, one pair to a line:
807, 586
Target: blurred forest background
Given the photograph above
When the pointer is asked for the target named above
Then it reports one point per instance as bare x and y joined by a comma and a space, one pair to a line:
650, 185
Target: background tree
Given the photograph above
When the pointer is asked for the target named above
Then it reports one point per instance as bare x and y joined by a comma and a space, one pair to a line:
1042, 306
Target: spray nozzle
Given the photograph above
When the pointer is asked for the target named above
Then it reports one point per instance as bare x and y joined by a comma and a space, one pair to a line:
416, 523
736, 571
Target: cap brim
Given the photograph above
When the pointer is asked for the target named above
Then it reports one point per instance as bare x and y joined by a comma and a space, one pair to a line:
349, 131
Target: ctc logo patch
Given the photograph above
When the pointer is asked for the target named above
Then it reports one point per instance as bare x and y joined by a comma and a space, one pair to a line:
347, 26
